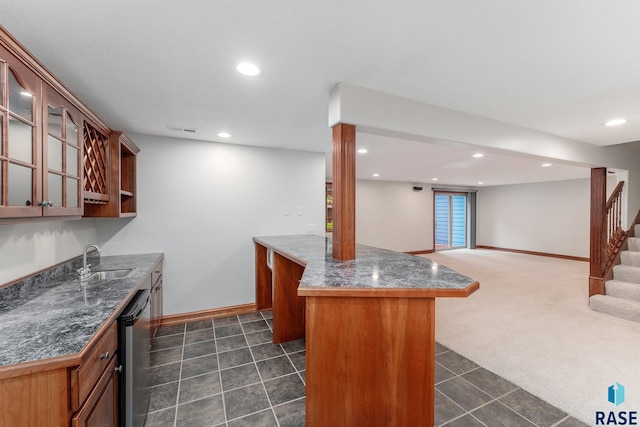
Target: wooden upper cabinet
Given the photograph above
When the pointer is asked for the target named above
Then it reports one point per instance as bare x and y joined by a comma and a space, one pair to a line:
57, 158
96, 162
120, 174
128, 176
40, 150
62, 153
20, 139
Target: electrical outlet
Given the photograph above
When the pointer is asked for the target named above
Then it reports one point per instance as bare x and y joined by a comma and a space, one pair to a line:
311, 228
287, 211
299, 211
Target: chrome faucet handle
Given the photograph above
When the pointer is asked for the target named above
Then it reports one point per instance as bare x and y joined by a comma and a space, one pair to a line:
84, 272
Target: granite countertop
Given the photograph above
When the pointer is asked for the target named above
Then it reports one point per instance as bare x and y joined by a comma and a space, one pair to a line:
58, 317
373, 268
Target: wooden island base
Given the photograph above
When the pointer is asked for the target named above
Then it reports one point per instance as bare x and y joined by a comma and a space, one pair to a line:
369, 326
370, 361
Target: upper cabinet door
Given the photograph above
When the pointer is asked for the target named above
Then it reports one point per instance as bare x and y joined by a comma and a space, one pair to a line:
62, 154
20, 123
57, 158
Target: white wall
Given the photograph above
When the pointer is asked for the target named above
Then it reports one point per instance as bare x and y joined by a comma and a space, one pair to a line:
29, 247
201, 202
550, 217
391, 215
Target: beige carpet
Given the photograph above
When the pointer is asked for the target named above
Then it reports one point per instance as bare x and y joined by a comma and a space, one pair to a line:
530, 323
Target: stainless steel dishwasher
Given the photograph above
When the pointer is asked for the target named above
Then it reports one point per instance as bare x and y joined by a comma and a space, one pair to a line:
134, 346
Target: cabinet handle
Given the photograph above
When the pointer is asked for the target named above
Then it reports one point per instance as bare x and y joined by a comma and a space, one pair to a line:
40, 203
118, 369
49, 204
104, 356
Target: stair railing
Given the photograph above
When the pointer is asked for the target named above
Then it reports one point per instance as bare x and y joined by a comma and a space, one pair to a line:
615, 233
608, 237
606, 233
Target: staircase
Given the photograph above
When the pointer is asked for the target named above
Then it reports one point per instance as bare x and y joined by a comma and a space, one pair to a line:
622, 293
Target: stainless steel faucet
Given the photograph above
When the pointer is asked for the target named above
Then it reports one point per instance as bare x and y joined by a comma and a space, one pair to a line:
85, 271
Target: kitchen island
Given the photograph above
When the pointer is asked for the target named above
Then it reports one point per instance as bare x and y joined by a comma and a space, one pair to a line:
369, 325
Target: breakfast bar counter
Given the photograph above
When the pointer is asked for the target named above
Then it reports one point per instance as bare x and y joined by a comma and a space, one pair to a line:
369, 325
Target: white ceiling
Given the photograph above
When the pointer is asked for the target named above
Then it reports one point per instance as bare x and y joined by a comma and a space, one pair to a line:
452, 164
557, 67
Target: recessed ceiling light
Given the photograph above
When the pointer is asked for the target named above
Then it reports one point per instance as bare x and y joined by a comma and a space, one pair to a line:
224, 134
478, 155
616, 122
376, 175
362, 151
434, 179
545, 165
248, 69
25, 93
480, 182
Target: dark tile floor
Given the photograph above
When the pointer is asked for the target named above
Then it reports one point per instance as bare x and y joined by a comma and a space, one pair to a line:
226, 372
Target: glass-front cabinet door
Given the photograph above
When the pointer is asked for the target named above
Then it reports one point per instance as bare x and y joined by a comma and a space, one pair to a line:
20, 170
62, 153
40, 146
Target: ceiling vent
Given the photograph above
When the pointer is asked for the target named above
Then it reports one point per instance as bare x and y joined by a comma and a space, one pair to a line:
179, 129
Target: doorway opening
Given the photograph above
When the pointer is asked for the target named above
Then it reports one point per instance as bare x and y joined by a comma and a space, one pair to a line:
450, 220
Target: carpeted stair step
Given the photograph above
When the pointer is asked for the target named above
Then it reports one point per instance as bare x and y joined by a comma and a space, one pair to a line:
634, 243
630, 258
626, 273
618, 307
625, 290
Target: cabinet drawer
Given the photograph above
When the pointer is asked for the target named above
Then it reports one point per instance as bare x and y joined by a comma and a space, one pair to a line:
101, 407
96, 361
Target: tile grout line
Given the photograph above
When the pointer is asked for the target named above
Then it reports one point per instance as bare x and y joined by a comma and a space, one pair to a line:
260, 375
184, 338
493, 399
460, 417
295, 368
263, 386
261, 380
222, 394
455, 403
496, 399
560, 422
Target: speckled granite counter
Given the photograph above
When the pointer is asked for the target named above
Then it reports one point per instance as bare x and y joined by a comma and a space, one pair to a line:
373, 268
58, 317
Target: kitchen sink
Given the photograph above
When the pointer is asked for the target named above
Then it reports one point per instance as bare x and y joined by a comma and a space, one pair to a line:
110, 275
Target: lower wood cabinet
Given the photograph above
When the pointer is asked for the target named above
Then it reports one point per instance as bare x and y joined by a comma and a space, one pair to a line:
61, 392
36, 399
87, 375
101, 407
94, 384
